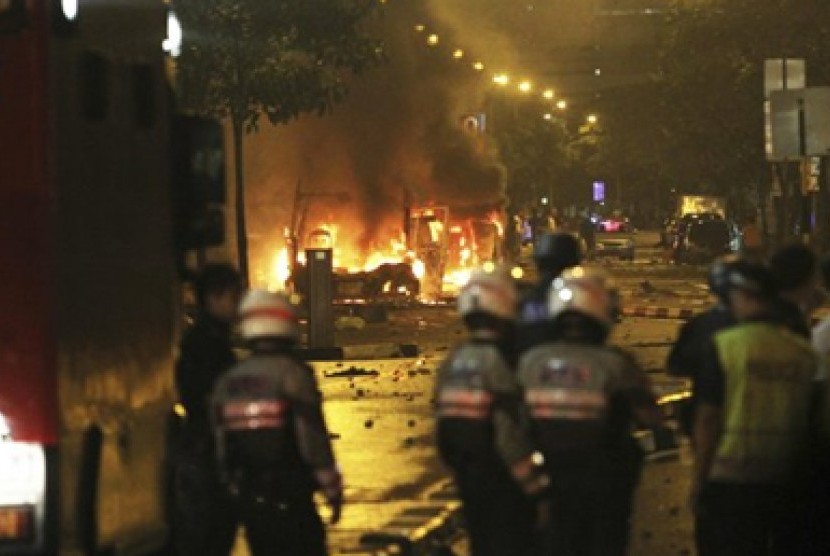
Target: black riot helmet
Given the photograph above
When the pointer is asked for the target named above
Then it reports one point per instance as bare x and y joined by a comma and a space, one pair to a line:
556, 251
719, 276
754, 278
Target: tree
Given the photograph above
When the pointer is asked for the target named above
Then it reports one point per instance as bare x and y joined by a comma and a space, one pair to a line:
533, 150
242, 59
712, 86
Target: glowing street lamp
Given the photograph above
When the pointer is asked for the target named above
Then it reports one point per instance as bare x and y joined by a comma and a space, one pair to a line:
478, 66
525, 86
432, 40
562, 104
458, 54
70, 9
549, 94
592, 119
547, 116
420, 28
501, 79
173, 43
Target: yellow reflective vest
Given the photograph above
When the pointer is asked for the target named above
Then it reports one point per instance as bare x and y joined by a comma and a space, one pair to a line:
770, 377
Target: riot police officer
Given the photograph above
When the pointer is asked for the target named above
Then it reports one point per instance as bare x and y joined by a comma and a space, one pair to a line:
199, 517
753, 425
582, 398
553, 253
478, 432
272, 444
685, 358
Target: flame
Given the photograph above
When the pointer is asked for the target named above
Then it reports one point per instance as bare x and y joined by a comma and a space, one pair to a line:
281, 271
419, 269
458, 278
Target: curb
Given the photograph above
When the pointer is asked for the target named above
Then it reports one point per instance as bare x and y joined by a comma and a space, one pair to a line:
422, 529
386, 350
659, 312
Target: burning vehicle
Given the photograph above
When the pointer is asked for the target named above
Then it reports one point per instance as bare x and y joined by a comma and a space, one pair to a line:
429, 260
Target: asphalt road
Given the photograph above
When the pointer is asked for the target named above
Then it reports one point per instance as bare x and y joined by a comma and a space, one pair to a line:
379, 412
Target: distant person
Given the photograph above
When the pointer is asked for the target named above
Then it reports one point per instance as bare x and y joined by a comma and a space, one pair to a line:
588, 231
272, 445
686, 357
478, 430
795, 270
583, 398
203, 524
756, 395
752, 244
553, 254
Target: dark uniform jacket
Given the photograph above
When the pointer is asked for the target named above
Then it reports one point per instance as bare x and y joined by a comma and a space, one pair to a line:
580, 399
687, 354
477, 401
269, 409
205, 353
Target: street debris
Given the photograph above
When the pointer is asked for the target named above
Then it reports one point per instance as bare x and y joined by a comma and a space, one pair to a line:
352, 372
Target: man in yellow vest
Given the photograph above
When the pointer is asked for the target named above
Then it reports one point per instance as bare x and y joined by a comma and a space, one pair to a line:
755, 394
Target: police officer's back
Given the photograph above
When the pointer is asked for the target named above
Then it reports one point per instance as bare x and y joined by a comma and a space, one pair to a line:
582, 398
272, 443
687, 354
552, 254
478, 432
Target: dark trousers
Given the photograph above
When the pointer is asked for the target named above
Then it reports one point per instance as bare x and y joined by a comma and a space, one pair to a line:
588, 522
736, 519
499, 518
203, 518
277, 526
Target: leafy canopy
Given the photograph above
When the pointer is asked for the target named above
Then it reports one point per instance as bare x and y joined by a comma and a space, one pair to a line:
245, 58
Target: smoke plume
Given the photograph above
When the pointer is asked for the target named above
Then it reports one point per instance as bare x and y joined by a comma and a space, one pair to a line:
399, 130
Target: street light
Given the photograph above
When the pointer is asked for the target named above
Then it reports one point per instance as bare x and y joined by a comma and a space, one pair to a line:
420, 28
562, 104
525, 86
70, 9
549, 94
478, 66
458, 54
548, 116
501, 79
173, 43
432, 40
592, 119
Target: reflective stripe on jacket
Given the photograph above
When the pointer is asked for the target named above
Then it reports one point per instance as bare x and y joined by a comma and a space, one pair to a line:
475, 384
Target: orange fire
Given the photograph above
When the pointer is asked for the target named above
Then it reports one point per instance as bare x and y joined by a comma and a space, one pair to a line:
462, 253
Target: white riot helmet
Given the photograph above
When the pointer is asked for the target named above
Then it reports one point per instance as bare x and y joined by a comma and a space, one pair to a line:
265, 314
490, 291
587, 291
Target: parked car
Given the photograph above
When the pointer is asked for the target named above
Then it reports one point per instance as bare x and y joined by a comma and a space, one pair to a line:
618, 245
702, 237
614, 224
